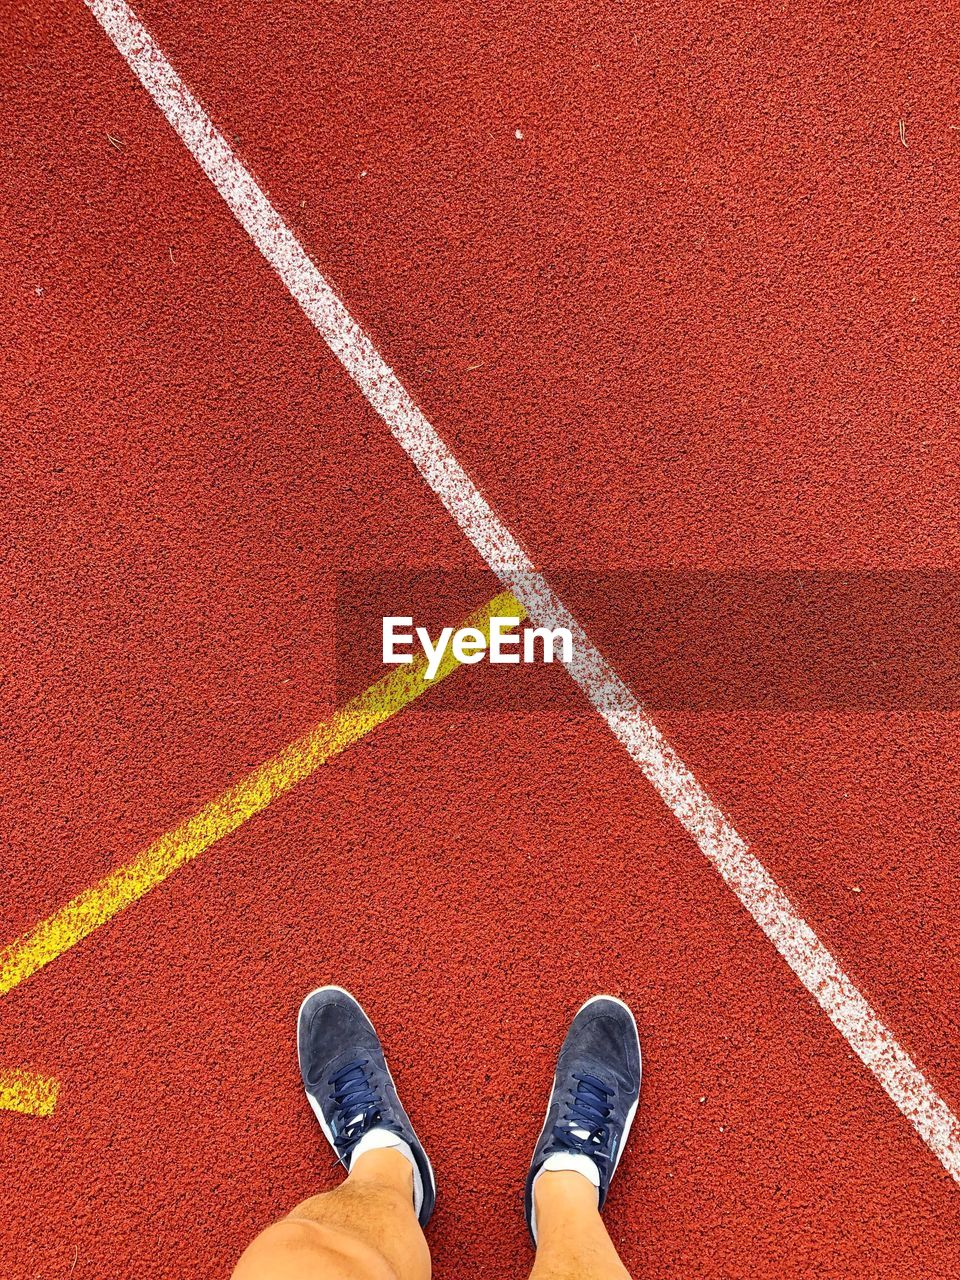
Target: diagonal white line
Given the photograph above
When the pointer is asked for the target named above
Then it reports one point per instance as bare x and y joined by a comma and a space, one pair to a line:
803, 951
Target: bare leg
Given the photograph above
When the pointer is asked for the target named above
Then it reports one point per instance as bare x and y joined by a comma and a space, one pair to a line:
572, 1242
366, 1229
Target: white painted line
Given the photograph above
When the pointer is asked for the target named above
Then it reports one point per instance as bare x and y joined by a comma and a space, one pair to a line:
803, 951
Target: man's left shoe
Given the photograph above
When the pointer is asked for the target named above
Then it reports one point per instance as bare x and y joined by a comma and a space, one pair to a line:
351, 1090
593, 1101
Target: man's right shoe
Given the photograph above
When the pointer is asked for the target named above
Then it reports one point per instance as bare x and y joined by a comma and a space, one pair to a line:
593, 1101
351, 1090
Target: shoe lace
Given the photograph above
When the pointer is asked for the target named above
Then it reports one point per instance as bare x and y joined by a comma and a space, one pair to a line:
359, 1106
584, 1128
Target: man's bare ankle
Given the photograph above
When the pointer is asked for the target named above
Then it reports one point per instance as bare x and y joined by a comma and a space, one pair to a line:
564, 1190
386, 1167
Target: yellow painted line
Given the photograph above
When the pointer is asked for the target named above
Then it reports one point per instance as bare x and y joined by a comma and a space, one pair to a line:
28, 1093
251, 795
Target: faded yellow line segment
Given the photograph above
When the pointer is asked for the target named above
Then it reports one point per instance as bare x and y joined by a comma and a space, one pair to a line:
28, 1093
259, 788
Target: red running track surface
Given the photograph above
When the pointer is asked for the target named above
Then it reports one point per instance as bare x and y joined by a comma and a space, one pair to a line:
711, 295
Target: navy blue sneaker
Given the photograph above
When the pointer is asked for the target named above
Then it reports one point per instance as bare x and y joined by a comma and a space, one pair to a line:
350, 1088
593, 1101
